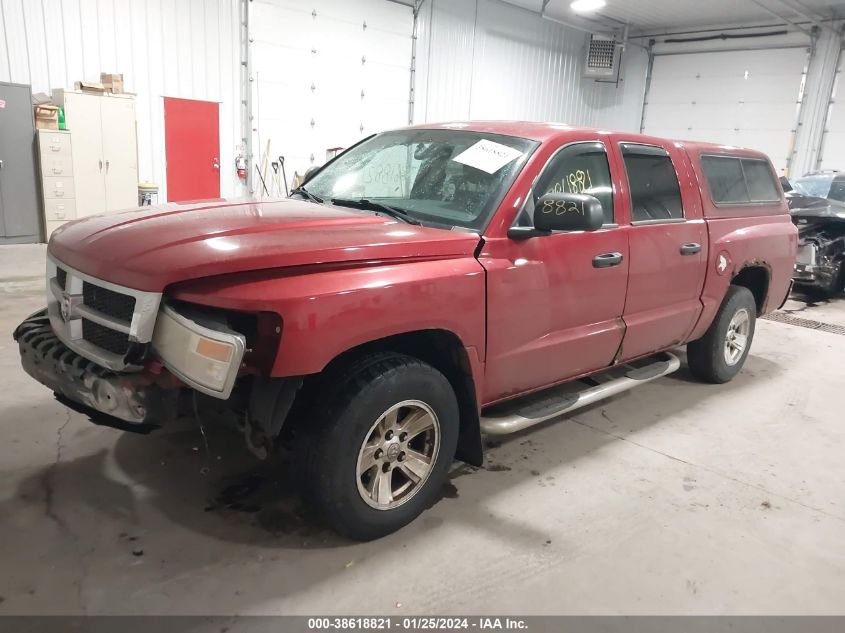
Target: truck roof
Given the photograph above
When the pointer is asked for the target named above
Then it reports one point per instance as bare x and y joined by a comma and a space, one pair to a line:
545, 130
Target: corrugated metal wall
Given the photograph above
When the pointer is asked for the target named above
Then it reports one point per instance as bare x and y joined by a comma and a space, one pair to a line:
484, 59
173, 48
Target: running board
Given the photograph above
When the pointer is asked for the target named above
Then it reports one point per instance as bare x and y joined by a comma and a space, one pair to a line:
510, 418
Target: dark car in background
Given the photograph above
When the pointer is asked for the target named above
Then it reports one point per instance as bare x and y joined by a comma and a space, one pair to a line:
817, 206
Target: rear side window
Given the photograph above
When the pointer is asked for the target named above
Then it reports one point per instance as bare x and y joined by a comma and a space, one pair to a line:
733, 180
837, 190
655, 192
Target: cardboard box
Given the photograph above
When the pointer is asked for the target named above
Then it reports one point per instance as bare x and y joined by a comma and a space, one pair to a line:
90, 86
40, 98
46, 117
113, 82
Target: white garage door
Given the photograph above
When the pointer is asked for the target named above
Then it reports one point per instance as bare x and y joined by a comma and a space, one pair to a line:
747, 98
833, 148
327, 73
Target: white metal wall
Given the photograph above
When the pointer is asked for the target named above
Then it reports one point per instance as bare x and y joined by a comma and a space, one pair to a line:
326, 73
173, 48
485, 59
747, 98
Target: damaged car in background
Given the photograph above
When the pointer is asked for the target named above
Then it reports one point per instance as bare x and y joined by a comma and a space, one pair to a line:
817, 206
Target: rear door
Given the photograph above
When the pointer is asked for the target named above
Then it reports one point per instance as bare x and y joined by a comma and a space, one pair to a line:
667, 238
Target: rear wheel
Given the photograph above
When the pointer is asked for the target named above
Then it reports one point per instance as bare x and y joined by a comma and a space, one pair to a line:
376, 454
719, 355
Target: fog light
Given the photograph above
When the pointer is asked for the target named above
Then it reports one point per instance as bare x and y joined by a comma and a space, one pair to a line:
206, 359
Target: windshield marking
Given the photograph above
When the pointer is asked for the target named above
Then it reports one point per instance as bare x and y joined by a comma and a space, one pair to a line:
487, 156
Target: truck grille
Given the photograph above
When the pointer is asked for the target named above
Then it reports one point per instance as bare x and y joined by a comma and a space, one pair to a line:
98, 319
105, 338
108, 302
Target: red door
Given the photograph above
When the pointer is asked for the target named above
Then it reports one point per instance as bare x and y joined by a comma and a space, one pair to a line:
192, 147
555, 303
668, 243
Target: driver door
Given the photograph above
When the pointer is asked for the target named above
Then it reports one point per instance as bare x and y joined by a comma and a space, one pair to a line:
555, 302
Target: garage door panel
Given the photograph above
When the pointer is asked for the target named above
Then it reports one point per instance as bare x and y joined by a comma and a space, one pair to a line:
836, 118
313, 62
833, 156
383, 46
291, 25
833, 143
744, 98
767, 63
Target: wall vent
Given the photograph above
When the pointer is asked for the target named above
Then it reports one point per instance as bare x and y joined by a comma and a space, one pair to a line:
602, 61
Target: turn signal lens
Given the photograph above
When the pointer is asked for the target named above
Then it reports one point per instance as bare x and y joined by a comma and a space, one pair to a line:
215, 350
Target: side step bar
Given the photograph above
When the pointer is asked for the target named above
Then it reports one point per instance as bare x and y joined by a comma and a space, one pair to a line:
511, 419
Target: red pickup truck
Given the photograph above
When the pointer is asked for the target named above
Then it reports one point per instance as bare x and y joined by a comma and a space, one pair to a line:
425, 287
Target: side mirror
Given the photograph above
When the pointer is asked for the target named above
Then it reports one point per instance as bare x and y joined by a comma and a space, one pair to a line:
784, 182
568, 212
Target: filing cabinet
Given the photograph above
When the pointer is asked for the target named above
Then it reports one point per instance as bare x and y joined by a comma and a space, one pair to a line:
55, 149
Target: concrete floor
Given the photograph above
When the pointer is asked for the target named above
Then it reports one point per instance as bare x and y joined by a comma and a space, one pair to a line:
675, 498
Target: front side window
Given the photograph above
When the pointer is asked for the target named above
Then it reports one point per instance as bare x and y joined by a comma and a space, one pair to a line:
653, 182
579, 168
445, 177
734, 180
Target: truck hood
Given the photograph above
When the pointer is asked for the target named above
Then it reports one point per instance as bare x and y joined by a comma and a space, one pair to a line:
153, 247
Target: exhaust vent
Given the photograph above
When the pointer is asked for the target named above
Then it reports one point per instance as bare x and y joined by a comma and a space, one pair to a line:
603, 53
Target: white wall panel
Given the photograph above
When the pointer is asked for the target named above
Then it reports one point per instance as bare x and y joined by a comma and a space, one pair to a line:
173, 48
326, 73
485, 59
747, 98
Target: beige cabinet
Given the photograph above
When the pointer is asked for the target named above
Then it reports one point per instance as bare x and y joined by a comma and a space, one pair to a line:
105, 152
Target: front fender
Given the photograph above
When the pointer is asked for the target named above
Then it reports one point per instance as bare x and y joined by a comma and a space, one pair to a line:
326, 311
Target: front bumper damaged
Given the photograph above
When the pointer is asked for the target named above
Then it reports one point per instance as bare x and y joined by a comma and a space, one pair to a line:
134, 398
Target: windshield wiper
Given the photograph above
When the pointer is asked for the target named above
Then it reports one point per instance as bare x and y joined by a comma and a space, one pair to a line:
371, 205
310, 196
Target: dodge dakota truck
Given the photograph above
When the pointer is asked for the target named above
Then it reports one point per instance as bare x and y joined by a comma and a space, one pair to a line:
426, 287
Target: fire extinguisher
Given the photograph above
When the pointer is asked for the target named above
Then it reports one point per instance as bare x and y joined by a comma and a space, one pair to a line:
240, 166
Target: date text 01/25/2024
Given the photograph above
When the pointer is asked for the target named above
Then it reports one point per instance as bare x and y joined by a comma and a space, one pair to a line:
416, 623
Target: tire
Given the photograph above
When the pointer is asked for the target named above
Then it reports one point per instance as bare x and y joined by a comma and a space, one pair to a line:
340, 470
708, 357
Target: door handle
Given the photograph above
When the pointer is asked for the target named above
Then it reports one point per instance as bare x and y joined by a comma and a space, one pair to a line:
107, 166
215, 162
606, 260
690, 249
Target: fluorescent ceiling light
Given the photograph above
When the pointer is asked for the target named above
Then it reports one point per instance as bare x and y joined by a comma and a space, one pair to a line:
585, 6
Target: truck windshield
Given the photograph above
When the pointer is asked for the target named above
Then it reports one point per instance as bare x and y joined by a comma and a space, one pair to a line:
818, 186
443, 177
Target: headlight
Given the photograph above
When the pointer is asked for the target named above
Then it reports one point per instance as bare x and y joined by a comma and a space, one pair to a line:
206, 359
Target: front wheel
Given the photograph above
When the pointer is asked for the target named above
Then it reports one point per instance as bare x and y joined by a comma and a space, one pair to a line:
719, 355
377, 454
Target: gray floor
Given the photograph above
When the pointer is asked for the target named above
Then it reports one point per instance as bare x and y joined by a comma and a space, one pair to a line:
677, 497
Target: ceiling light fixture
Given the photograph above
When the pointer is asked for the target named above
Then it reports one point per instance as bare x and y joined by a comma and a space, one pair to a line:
587, 6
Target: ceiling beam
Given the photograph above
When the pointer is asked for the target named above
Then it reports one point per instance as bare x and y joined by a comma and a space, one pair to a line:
782, 17
811, 17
